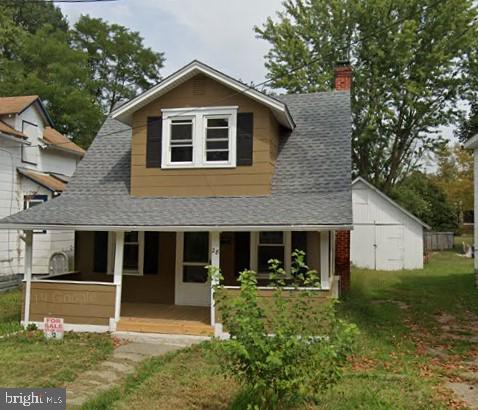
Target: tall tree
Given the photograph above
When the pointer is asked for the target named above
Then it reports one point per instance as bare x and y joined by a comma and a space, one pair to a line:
46, 65
455, 178
32, 15
407, 70
120, 65
419, 193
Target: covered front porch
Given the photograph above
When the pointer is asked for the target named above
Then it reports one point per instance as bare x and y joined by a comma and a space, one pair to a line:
156, 281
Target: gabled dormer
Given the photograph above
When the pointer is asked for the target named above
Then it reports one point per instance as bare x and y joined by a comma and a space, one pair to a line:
202, 133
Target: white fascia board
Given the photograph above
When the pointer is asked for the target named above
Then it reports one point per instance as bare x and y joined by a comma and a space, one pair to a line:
14, 139
124, 113
391, 201
189, 228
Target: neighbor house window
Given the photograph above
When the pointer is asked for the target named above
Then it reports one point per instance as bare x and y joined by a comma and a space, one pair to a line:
195, 257
29, 201
199, 137
133, 253
267, 246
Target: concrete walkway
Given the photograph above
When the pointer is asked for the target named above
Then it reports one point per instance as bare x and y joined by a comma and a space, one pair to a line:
123, 362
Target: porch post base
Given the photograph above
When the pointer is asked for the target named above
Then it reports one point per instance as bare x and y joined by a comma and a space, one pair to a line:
220, 333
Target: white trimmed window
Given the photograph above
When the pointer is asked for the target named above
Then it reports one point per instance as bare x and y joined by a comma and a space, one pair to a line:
199, 137
133, 253
270, 245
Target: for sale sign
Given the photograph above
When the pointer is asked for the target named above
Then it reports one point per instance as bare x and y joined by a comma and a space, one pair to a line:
53, 328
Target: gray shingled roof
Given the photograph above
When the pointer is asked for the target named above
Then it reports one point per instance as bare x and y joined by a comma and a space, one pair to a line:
311, 185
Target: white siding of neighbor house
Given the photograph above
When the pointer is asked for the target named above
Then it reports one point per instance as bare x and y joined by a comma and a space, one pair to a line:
10, 153
32, 115
59, 162
45, 244
384, 237
12, 192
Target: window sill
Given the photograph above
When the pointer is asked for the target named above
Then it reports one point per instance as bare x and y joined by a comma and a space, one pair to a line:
192, 166
128, 273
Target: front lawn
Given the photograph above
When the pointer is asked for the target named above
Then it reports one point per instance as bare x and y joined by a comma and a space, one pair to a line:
10, 310
415, 331
27, 360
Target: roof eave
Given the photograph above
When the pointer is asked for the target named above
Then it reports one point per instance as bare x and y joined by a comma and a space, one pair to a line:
391, 201
62, 149
19, 140
124, 113
39, 182
176, 228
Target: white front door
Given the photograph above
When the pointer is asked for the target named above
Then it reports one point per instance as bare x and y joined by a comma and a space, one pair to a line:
389, 247
192, 256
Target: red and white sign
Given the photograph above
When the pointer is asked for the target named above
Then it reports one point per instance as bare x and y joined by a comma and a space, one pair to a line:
53, 328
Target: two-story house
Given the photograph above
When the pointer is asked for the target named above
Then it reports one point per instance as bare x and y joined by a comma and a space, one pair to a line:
36, 162
200, 169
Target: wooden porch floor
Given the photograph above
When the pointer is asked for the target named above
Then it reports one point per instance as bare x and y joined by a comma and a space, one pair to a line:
170, 319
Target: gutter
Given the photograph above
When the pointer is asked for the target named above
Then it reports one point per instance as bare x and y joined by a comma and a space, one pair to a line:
178, 228
15, 139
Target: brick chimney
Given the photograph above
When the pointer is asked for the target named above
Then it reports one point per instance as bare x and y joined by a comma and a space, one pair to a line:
343, 76
343, 82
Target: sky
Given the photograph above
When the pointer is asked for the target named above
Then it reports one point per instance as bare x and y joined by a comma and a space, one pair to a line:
217, 32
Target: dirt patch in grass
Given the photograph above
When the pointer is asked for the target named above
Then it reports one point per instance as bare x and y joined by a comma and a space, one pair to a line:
27, 359
184, 380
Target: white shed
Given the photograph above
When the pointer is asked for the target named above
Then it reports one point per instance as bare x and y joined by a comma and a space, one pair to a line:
385, 235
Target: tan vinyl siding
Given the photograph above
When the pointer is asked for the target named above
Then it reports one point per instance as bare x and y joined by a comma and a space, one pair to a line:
200, 91
153, 288
76, 303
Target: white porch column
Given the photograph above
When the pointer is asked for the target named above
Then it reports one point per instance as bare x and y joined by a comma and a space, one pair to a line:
324, 260
118, 272
28, 275
215, 261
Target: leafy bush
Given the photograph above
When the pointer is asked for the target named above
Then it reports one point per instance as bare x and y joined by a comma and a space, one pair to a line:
284, 349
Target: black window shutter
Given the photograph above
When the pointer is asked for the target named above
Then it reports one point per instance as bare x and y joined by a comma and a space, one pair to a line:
242, 249
151, 253
100, 263
245, 127
153, 142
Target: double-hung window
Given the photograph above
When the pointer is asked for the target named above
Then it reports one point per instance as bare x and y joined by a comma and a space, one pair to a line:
133, 253
199, 137
181, 142
267, 246
217, 139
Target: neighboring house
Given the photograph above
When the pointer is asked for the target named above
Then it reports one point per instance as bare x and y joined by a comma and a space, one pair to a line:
200, 169
385, 236
36, 162
473, 145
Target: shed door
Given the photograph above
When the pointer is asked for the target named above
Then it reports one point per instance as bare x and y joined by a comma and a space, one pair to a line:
389, 251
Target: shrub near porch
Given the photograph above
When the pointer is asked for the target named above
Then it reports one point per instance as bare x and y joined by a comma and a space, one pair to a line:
27, 360
394, 366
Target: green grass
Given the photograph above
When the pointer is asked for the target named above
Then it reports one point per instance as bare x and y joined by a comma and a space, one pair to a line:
458, 241
396, 313
27, 360
10, 311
